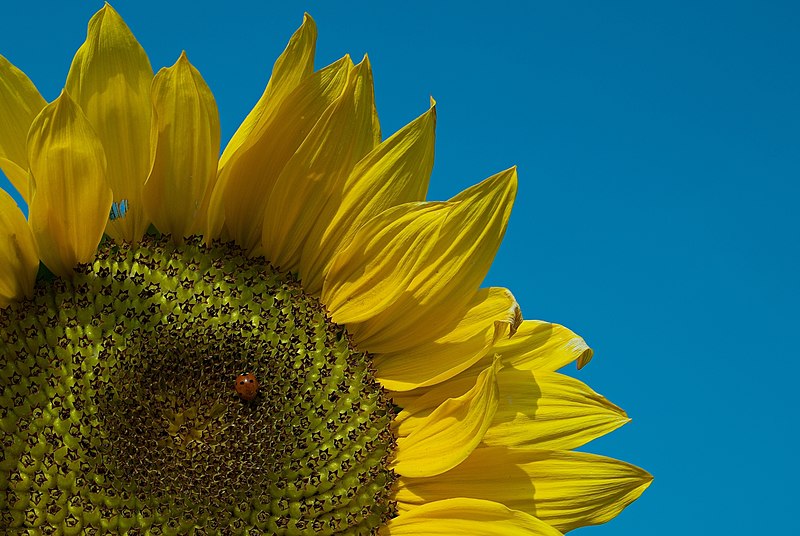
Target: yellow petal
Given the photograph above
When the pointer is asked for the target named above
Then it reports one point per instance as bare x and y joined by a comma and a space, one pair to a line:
492, 314
70, 197
451, 432
248, 176
20, 102
435, 279
110, 79
362, 282
294, 65
549, 410
314, 176
543, 346
19, 258
562, 488
186, 136
395, 172
536, 346
466, 516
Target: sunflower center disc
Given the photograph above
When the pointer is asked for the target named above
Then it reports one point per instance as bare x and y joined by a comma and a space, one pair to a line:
118, 409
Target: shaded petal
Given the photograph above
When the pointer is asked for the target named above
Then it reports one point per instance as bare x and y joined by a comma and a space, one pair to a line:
435, 280
492, 314
110, 79
314, 176
247, 178
20, 102
549, 410
395, 172
186, 138
451, 432
562, 488
466, 516
19, 258
70, 199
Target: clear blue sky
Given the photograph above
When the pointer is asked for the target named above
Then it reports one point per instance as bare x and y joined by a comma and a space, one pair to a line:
658, 146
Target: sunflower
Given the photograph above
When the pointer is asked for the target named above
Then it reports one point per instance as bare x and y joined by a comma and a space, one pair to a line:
394, 395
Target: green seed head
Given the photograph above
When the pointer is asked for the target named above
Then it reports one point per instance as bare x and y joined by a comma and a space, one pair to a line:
118, 411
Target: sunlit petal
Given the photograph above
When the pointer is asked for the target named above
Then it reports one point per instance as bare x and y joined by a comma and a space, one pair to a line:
451, 432
492, 315
467, 516
395, 172
294, 65
549, 410
543, 346
437, 278
248, 176
314, 177
562, 488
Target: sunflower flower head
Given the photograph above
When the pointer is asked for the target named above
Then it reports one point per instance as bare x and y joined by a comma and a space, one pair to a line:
284, 339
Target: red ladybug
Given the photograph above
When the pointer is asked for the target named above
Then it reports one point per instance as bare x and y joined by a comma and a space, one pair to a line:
246, 386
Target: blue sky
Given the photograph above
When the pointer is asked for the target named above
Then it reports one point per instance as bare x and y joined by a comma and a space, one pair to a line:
658, 146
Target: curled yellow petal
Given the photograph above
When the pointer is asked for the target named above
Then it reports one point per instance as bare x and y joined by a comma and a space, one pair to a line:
20, 102
186, 137
562, 488
395, 172
314, 176
70, 199
492, 314
19, 258
536, 346
451, 432
549, 410
110, 79
428, 285
466, 516
248, 176
543, 346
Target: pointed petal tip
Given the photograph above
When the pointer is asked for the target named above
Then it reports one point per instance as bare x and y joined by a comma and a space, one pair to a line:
513, 171
362, 68
107, 8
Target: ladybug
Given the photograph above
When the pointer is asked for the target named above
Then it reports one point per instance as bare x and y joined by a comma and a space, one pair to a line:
246, 386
